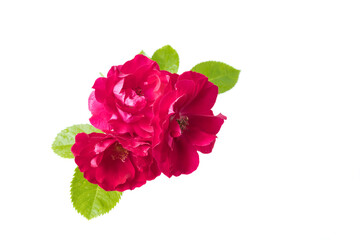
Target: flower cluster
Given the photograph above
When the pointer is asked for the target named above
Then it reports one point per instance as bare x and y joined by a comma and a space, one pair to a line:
153, 122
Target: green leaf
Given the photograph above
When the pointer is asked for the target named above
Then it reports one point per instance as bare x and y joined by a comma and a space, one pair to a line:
66, 138
89, 199
221, 74
167, 58
143, 53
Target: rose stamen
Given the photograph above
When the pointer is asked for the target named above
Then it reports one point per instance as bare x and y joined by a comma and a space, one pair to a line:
119, 153
183, 122
139, 91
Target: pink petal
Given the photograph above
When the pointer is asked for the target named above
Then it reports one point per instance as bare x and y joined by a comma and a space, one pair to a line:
153, 171
81, 137
100, 122
114, 71
81, 140
100, 116
197, 78
111, 173
182, 160
118, 87
146, 126
208, 124
186, 89
119, 126
174, 129
83, 163
100, 89
197, 137
138, 180
206, 149
161, 153
103, 145
204, 101
141, 132
96, 161
89, 174
138, 61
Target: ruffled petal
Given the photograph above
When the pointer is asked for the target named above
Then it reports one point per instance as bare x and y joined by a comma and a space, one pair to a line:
204, 101
83, 163
197, 137
89, 174
206, 149
80, 140
185, 86
136, 63
138, 180
100, 122
161, 153
114, 71
197, 78
182, 160
100, 118
103, 145
209, 124
174, 129
100, 89
111, 172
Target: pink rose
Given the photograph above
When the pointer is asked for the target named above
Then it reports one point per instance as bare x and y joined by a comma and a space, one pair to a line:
104, 161
185, 124
122, 102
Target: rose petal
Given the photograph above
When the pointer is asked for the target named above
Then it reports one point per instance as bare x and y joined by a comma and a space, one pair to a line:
182, 160
197, 137
206, 149
138, 61
174, 129
204, 101
208, 124
111, 173
103, 145
197, 78
100, 122
137, 181
114, 71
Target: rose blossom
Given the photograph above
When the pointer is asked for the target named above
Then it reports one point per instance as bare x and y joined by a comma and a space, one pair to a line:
104, 161
185, 124
122, 102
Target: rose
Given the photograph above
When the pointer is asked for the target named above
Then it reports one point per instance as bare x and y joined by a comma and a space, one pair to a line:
105, 161
185, 124
122, 102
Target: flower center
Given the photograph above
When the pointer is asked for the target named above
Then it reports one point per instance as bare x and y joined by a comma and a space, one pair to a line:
183, 122
139, 91
119, 152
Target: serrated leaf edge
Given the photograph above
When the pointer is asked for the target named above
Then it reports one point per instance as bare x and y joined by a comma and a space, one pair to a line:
97, 189
74, 125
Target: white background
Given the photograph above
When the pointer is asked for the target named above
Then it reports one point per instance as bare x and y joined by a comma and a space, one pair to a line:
286, 163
